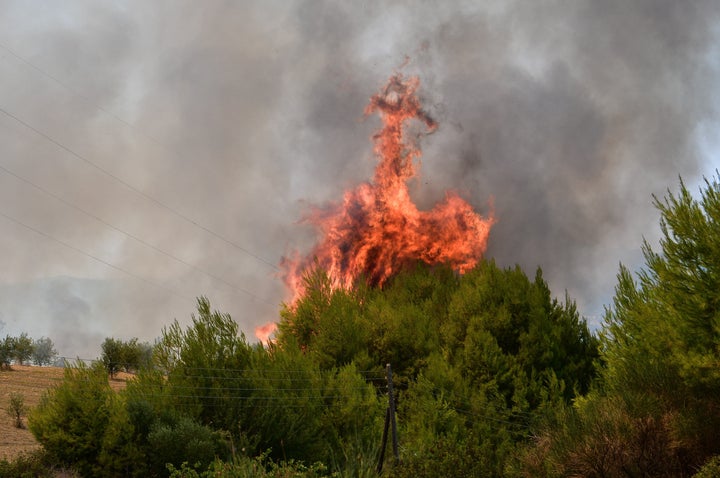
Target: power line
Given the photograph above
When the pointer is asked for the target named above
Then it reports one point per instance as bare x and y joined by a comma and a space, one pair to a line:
133, 188
91, 256
72, 90
253, 401
259, 389
175, 387
116, 178
138, 239
240, 372
134, 129
325, 383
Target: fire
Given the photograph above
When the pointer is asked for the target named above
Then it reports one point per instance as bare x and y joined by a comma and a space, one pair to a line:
264, 332
376, 229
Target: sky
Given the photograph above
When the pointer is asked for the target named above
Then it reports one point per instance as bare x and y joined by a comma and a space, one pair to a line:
154, 152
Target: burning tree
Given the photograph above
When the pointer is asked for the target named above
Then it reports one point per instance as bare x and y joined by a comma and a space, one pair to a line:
377, 230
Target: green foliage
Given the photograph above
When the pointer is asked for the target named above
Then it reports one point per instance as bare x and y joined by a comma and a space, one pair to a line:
145, 352
129, 355
662, 338
71, 420
135, 355
277, 398
475, 357
23, 348
301, 412
7, 351
711, 469
120, 453
183, 441
601, 436
17, 409
204, 365
44, 352
655, 410
284, 411
112, 355
258, 467
36, 464
328, 323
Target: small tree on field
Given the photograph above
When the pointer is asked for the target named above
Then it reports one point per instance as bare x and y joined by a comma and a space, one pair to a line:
130, 355
17, 409
44, 352
23, 348
7, 351
112, 355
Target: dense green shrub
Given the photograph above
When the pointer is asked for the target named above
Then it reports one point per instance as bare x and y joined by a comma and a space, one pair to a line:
183, 441
71, 420
711, 469
655, 410
36, 464
475, 357
17, 409
84, 425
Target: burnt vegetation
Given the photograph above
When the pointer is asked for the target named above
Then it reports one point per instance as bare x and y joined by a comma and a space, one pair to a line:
492, 377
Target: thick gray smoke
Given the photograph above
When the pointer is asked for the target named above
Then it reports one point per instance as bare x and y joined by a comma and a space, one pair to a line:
229, 117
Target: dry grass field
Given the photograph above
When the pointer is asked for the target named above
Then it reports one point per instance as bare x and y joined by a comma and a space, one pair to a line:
30, 382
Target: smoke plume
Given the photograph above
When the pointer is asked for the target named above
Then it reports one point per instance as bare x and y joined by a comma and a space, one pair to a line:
232, 117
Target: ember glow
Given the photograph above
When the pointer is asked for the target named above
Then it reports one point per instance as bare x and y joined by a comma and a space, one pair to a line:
376, 229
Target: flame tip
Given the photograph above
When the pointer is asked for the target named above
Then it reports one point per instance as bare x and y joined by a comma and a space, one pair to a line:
376, 230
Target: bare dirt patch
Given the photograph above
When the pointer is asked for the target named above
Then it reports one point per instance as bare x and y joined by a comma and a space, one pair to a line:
30, 382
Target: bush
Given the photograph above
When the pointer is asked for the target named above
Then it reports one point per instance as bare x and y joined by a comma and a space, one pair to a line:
71, 420
23, 348
184, 441
44, 352
711, 469
258, 467
36, 464
17, 409
112, 355
7, 352
606, 436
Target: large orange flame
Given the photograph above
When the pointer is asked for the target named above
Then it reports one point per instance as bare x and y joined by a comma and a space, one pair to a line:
377, 230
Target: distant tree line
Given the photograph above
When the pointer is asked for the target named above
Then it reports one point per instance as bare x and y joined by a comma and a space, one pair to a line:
117, 354
22, 349
128, 356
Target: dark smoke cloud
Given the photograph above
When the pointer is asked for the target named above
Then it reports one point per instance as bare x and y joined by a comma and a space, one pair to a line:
601, 112
569, 115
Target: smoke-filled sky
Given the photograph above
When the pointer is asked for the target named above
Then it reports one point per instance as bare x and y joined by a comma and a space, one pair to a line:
152, 152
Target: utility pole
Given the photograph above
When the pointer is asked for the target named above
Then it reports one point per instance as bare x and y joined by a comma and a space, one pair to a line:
393, 425
381, 460
389, 423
